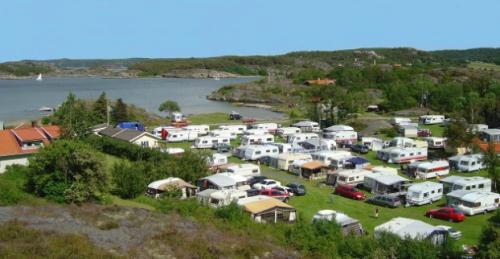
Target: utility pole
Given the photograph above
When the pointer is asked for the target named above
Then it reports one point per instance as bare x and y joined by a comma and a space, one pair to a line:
108, 109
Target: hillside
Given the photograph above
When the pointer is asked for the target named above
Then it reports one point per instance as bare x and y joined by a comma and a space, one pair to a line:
486, 55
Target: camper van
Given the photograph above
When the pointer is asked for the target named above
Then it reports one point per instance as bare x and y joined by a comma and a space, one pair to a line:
269, 127
201, 129
429, 169
475, 183
238, 129
399, 155
209, 142
467, 163
399, 120
431, 119
348, 137
374, 144
223, 133
352, 176
245, 170
424, 193
255, 132
286, 131
284, 161
334, 159
256, 139
435, 142
307, 126
299, 137
254, 152
473, 202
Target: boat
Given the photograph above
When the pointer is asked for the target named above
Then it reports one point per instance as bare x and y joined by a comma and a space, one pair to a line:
45, 108
216, 78
39, 78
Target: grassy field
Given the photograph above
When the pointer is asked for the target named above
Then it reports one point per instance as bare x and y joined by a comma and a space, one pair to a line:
482, 65
437, 130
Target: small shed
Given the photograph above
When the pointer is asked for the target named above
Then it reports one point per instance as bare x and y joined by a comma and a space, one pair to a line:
270, 211
313, 170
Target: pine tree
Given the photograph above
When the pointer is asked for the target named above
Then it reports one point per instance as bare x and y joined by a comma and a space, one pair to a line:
120, 111
100, 109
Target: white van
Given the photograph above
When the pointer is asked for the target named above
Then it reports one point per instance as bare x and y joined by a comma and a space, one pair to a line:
256, 139
299, 137
285, 131
467, 163
209, 142
245, 170
223, 133
475, 183
429, 169
424, 193
431, 119
201, 129
238, 129
473, 202
352, 176
334, 158
254, 152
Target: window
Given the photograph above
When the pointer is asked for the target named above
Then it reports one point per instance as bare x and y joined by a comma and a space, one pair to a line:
412, 154
255, 171
268, 151
426, 195
433, 191
473, 186
420, 153
473, 163
439, 190
351, 179
467, 188
258, 152
481, 186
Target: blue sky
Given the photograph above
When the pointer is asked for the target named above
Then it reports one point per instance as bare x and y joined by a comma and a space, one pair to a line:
35, 29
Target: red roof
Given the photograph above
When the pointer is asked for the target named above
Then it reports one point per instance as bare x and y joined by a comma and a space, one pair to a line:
11, 140
29, 134
53, 132
484, 146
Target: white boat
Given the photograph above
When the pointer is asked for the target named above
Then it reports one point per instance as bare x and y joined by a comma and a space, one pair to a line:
39, 78
46, 109
216, 78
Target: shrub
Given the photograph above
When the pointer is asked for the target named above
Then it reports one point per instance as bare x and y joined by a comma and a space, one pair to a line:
129, 180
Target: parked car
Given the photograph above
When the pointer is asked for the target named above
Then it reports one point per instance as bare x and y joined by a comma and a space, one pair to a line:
234, 116
297, 189
359, 148
349, 192
256, 179
223, 148
446, 213
266, 184
252, 192
385, 200
282, 196
424, 133
284, 189
454, 234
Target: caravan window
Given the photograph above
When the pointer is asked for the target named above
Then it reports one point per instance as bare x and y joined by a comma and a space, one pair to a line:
473, 163
269, 139
268, 151
214, 141
433, 192
481, 186
471, 204
467, 188
204, 142
473, 186
351, 179
255, 171
464, 163
258, 152
426, 195
439, 190
225, 140
420, 153
412, 154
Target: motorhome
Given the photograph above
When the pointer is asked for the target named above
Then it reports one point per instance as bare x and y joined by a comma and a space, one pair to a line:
429, 169
254, 152
255, 132
307, 126
256, 139
424, 193
285, 131
283, 148
467, 163
223, 133
399, 120
238, 129
346, 137
374, 144
299, 137
284, 161
245, 170
269, 127
209, 142
431, 119
351, 176
474, 183
201, 129
473, 202
334, 159
435, 142
399, 155
220, 198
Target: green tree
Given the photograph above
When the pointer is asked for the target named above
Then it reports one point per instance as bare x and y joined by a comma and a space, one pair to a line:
74, 118
100, 108
489, 242
492, 163
120, 112
129, 180
169, 107
458, 134
69, 171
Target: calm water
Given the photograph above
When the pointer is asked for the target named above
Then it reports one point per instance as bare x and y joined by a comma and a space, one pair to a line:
21, 99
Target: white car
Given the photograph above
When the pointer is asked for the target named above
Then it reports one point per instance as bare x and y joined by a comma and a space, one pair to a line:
266, 184
455, 234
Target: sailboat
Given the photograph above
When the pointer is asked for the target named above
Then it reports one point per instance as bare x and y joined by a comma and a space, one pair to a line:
216, 78
39, 78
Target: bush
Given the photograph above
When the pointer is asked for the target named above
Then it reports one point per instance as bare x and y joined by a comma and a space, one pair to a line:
389, 132
129, 180
12, 185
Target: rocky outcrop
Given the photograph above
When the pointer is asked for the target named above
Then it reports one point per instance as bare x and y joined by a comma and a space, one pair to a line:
198, 73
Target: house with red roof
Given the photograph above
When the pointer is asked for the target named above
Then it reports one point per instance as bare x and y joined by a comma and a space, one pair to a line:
16, 145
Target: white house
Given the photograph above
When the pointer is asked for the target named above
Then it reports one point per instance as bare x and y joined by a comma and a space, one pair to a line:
141, 138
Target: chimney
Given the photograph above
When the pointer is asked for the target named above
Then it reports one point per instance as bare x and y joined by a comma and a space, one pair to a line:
34, 124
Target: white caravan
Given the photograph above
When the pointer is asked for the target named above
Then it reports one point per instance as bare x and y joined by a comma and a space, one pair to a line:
245, 170
238, 129
374, 144
284, 161
352, 176
475, 183
399, 120
157, 131
399, 155
467, 163
342, 136
338, 128
256, 139
431, 119
181, 135
406, 228
334, 159
424, 193
286, 131
269, 127
223, 133
255, 132
217, 159
473, 202
283, 148
299, 137
209, 142
201, 129
408, 131
435, 142
307, 126
220, 198
254, 152
314, 145
475, 128
429, 169
401, 142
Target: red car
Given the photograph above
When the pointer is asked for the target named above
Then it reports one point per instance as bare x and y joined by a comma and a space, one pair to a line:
424, 133
349, 192
277, 194
450, 214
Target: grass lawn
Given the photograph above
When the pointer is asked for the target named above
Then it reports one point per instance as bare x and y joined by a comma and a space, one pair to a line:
437, 130
211, 118
131, 203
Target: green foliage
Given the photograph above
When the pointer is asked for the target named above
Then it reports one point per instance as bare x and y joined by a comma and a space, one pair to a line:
129, 180
389, 132
489, 244
492, 162
457, 134
100, 108
119, 112
74, 118
68, 171
24, 68
169, 107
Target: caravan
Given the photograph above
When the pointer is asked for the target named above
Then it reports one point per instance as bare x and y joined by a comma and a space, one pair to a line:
475, 183
352, 176
256, 139
223, 133
429, 169
238, 129
181, 135
284, 161
431, 119
283, 148
374, 144
209, 142
286, 131
269, 127
473, 202
435, 142
402, 142
307, 126
216, 160
334, 159
246, 170
398, 155
347, 137
254, 152
400, 120
467, 163
201, 129
255, 132
220, 198
424, 193
299, 137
